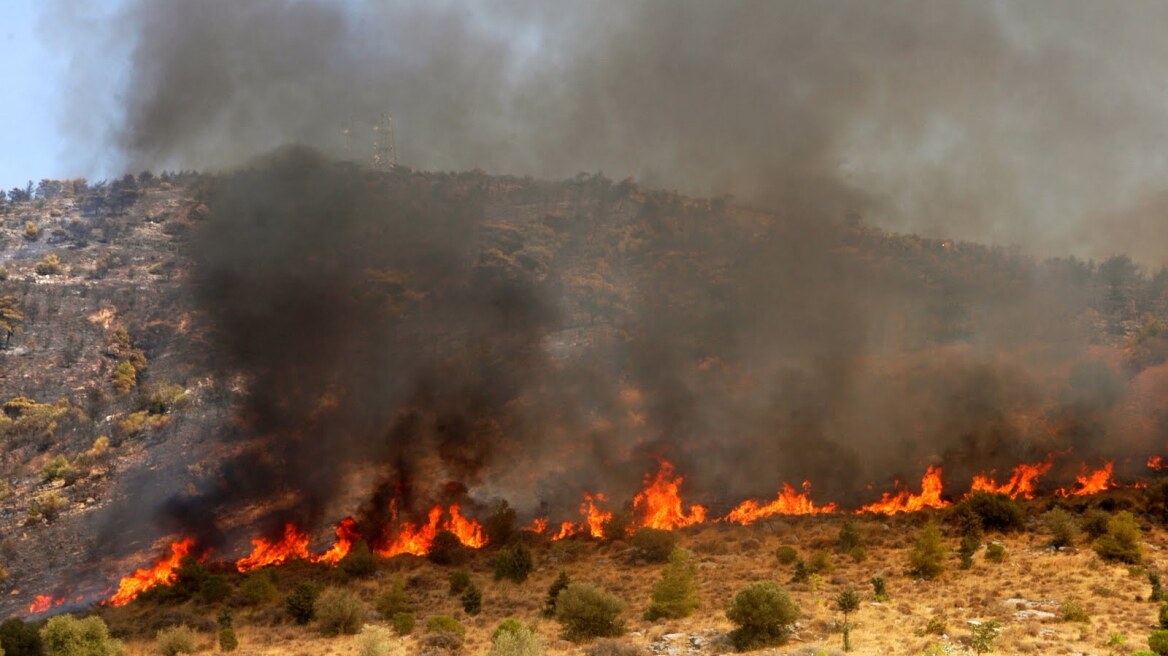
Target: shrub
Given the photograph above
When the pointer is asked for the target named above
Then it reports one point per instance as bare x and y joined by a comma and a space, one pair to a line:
675, 595
445, 624
59, 468
764, 614
227, 639
395, 599
786, 555
654, 545
472, 599
65, 635
20, 638
359, 563
403, 623
967, 549
611, 647
458, 581
1071, 610
926, 560
1158, 641
879, 589
618, 527
125, 377
214, 589
982, 636
1062, 527
1094, 522
339, 611
50, 265
447, 549
585, 613
258, 589
31, 231
995, 553
1157, 593
513, 563
1122, 541
508, 624
800, 575
499, 526
936, 625
553, 593
176, 640
301, 603
442, 642
521, 641
849, 537
820, 561
47, 506
373, 641
996, 511
1164, 615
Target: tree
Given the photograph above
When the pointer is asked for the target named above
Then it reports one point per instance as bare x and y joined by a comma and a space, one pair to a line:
65, 635
928, 555
1122, 541
764, 614
585, 613
675, 594
847, 602
11, 318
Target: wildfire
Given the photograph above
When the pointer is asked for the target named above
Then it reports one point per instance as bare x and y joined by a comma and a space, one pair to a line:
1156, 462
537, 525
347, 536
416, 538
905, 501
162, 573
1090, 482
789, 502
594, 517
659, 504
468, 531
567, 529
41, 603
1021, 483
292, 546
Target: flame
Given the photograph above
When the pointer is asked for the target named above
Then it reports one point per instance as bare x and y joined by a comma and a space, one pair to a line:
594, 517
1090, 483
567, 529
162, 573
347, 536
416, 538
468, 531
537, 525
660, 504
293, 546
42, 603
1021, 483
789, 502
904, 501
1156, 462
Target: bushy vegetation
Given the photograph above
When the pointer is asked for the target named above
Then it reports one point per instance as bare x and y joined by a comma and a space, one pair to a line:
359, 563
764, 614
403, 623
20, 638
982, 636
176, 640
654, 545
447, 549
472, 599
927, 558
997, 512
396, 599
500, 524
879, 589
613, 647
65, 635
786, 555
445, 624
339, 610
373, 641
47, 506
513, 563
1064, 530
258, 589
995, 553
1158, 642
847, 602
675, 594
301, 602
514, 638
585, 612
849, 538
553, 593
458, 580
1072, 610
1122, 541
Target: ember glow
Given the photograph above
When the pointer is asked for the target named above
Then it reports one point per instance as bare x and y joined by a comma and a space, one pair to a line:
292, 546
789, 502
1021, 484
42, 603
162, 573
347, 536
905, 501
659, 504
1088, 483
1156, 462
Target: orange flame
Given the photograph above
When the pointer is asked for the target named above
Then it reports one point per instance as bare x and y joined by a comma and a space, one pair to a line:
416, 538
468, 531
1156, 462
567, 529
789, 502
347, 536
594, 517
1022, 483
293, 546
904, 501
162, 573
1090, 483
537, 525
660, 504
42, 603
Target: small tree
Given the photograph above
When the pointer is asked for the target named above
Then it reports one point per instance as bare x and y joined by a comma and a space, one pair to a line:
847, 602
520, 640
982, 636
373, 641
562, 581
227, 639
849, 537
969, 547
879, 589
513, 563
500, 524
1157, 593
11, 318
927, 558
585, 613
472, 599
395, 599
65, 635
458, 580
1122, 542
764, 614
301, 603
654, 545
675, 594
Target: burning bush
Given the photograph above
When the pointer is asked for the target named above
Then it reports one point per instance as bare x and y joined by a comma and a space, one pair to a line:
338, 611
585, 612
764, 614
176, 640
654, 545
927, 558
1122, 541
513, 563
675, 595
65, 635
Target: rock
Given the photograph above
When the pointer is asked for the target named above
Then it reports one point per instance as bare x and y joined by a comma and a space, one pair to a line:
1032, 614
670, 637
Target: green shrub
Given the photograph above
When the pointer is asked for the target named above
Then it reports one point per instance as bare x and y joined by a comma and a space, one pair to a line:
472, 599
982, 636
214, 589
995, 553
879, 589
1158, 641
858, 554
820, 561
359, 563
444, 624
458, 581
20, 638
1164, 615
513, 563
395, 599
176, 640
800, 574
447, 549
515, 641
675, 595
585, 613
125, 377
654, 545
403, 623
847, 602
65, 635
508, 624
1071, 610
849, 537
257, 589
1062, 526
1094, 522
927, 558
301, 603
47, 506
936, 625
1121, 543
227, 639
553, 593
373, 641
1157, 593
58, 468
764, 614
499, 526
786, 555
967, 549
996, 511
338, 611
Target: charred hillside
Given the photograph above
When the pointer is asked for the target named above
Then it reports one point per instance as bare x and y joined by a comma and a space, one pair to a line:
303, 339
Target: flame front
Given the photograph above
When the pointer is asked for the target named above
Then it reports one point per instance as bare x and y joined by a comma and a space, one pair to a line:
42, 603
292, 546
789, 502
468, 531
1090, 482
162, 573
659, 504
905, 501
1021, 484
347, 536
416, 538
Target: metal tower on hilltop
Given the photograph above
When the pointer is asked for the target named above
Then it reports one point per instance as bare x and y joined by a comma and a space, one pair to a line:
384, 150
